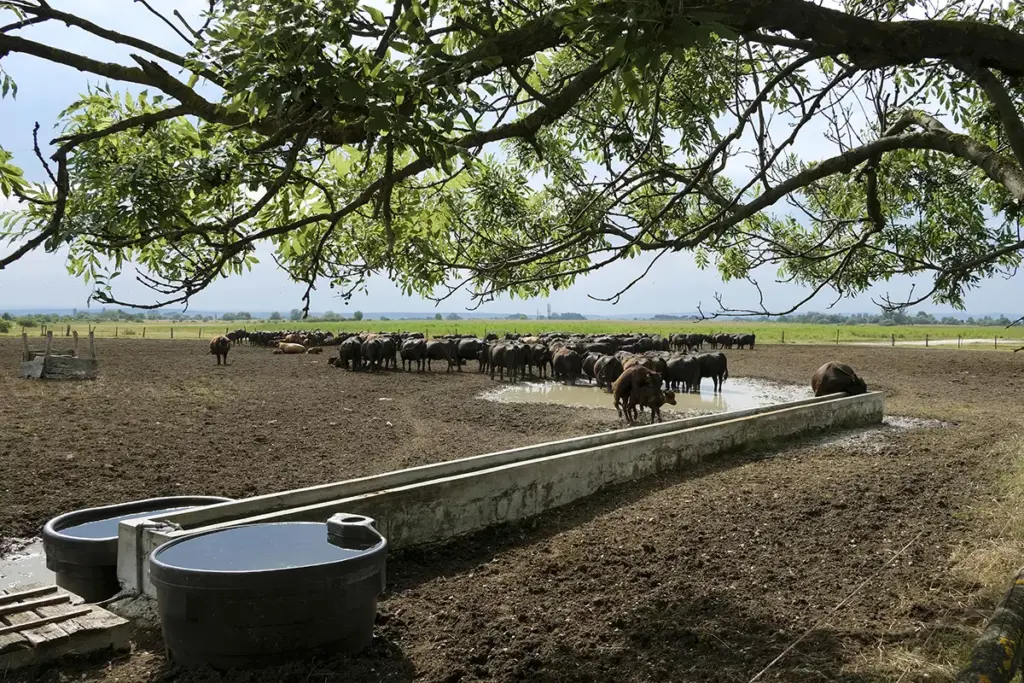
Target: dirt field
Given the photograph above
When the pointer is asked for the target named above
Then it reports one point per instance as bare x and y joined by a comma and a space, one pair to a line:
708, 574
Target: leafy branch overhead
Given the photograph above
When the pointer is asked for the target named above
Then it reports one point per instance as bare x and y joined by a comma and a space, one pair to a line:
511, 147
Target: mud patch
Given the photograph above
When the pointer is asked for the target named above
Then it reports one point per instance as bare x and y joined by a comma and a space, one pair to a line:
873, 439
738, 393
24, 562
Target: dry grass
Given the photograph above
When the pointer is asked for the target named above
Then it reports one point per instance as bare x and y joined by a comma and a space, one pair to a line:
986, 564
994, 558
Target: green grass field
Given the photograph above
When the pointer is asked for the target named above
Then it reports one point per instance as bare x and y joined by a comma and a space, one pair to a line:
767, 333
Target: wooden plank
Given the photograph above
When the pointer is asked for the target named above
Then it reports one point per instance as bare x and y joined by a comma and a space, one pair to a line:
28, 605
16, 596
36, 635
68, 613
48, 632
34, 622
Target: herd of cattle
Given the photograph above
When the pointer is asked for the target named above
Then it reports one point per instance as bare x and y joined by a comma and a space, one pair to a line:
633, 367
600, 358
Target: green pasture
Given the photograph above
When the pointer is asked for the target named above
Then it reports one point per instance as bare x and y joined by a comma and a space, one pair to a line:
767, 333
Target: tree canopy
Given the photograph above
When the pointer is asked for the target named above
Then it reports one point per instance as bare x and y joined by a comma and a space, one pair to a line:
510, 147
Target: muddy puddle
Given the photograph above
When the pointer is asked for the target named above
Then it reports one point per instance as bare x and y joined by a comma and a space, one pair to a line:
23, 564
874, 438
738, 393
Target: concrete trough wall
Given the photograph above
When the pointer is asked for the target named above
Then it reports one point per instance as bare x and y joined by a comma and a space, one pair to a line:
445, 500
135, 540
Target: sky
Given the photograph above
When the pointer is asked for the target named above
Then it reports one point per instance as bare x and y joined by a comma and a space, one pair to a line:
40, 280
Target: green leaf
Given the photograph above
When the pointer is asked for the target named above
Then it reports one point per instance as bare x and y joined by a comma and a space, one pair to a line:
632, 85
377, 16
617, 102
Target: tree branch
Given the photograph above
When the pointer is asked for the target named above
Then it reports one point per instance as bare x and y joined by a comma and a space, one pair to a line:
1004, 106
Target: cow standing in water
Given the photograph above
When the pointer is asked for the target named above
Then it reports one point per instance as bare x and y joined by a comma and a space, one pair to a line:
220, 346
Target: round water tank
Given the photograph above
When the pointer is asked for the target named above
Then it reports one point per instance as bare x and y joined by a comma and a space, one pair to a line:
81, 546
258, 594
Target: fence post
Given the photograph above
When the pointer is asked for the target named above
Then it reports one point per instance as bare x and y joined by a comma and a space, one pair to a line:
143, 331
172, 333
894, 340
27, 353
995, 342
926, 340
76, 343
837, 337
200, 332
115, 332
783, 336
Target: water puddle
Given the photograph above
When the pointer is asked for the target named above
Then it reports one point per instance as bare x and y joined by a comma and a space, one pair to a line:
24, 564
875, 438
738, 393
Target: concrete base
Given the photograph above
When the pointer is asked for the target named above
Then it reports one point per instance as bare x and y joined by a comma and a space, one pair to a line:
441, 501
59, 367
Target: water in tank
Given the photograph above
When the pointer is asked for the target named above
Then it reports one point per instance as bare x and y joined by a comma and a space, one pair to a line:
258, 594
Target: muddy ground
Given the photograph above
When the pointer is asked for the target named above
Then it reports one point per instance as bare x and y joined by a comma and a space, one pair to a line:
711, 573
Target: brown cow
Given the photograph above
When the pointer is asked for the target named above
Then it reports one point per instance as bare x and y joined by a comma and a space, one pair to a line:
834, 377
220, 346
632, 378
648, 397
282, 347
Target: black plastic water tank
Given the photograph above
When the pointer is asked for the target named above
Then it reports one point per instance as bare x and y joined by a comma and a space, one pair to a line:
258, 594
81, 546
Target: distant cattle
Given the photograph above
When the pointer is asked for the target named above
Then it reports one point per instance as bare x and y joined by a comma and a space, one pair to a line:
290, 349
219, 346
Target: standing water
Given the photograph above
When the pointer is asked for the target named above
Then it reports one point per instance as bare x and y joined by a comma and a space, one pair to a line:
737, 394
107, 528
24, 565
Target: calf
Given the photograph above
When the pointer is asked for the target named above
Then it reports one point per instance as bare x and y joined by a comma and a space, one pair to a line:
648, 397
634, 377
220, 346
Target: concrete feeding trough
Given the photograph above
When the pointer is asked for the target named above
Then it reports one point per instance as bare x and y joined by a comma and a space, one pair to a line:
443, 500
56, 364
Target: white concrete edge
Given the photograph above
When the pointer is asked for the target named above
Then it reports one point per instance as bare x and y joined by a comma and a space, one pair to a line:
136, 543
210, 514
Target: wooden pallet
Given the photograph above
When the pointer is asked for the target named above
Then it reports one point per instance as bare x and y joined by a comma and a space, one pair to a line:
41, 623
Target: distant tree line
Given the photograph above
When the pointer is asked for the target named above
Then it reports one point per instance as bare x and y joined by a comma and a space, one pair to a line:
889, 319
8, 321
